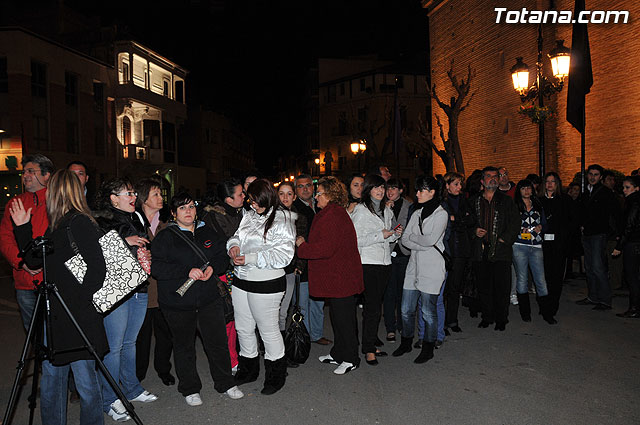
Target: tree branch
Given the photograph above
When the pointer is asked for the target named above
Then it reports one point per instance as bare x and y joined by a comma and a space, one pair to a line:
431, 92
468, 101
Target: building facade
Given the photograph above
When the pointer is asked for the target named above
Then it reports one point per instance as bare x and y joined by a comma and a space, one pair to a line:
54, 101
150, 112
215, 144
491, 131
361, 99
122, 115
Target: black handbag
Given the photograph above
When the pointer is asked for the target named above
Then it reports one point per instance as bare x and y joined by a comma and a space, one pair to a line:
448, 262
297, 342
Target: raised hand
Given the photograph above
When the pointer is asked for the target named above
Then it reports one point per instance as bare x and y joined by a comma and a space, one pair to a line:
19, 215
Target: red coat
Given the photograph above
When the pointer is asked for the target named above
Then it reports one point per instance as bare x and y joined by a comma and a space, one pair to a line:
335, 270
39, 223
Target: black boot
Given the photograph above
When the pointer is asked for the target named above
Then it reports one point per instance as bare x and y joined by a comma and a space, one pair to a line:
525, 307
546, 310
405, 347
426, 354
248, 370
275, 375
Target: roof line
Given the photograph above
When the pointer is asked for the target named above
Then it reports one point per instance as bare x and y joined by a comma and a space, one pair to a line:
48, 40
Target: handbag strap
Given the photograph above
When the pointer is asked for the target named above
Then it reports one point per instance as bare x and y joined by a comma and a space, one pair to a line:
189, 242
72, 240
297, 276
441, 253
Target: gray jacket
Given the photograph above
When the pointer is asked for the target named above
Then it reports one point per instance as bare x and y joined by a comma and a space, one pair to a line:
426, 268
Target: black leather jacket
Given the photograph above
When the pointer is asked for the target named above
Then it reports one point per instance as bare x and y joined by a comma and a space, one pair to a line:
631, 220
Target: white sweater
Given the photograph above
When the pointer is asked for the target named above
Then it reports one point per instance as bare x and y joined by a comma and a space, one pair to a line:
264, 260
426, 269
373, 247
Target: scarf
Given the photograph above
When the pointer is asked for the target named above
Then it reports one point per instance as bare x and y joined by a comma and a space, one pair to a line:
427, 209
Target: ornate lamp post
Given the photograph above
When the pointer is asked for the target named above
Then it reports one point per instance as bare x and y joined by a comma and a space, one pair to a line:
358, 147
542, 86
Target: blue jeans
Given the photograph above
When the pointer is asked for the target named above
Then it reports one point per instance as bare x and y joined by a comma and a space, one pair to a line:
53, 392
429, 313
441, 315
595, 266
441, 312
26, 299
122, 326
313, 312
527, 257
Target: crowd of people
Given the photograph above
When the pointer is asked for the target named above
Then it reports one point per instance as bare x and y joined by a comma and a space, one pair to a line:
483, 241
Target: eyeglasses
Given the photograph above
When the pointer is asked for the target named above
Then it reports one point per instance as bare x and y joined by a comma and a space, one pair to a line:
319, 193
503, 174
31, 170
134, 194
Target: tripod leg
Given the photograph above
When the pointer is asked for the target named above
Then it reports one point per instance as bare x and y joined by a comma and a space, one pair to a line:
21, 365
103, 368
37, 364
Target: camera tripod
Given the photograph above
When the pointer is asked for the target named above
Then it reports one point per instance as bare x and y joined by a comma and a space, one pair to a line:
41, 319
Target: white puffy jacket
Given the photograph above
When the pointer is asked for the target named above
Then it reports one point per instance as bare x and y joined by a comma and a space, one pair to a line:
264, 260
426, 269
373, 247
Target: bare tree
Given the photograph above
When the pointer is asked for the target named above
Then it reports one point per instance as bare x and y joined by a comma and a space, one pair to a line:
451, 154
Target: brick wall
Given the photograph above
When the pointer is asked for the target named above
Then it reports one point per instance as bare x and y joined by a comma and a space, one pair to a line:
490, 129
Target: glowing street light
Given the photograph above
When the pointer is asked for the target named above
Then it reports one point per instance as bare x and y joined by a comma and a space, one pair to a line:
542, 87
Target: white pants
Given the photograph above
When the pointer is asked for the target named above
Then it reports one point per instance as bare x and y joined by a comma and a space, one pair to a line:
286, 301
263, 310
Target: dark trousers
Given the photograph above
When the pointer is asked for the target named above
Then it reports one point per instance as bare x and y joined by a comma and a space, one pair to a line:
154, 323
494, 289
595, 265
452, 291
342, 312
376, 278
392, 304
631, 262
209, 322
554, 269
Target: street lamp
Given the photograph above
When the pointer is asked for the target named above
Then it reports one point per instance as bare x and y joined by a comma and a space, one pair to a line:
542, 86
317, 161
357, 148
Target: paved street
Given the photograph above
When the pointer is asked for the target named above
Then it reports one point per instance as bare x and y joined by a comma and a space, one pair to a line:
582, 371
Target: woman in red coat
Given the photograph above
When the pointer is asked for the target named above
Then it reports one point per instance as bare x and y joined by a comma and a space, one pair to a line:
335, 272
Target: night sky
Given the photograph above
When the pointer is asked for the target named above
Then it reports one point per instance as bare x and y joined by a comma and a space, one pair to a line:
253, 55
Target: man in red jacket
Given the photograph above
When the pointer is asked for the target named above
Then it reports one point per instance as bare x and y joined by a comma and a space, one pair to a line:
37, 169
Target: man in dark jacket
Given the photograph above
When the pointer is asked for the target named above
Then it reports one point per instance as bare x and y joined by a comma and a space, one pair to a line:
498, 223
600, 209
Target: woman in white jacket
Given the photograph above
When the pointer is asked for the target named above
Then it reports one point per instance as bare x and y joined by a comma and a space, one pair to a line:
260, 249
426, 271
372, 221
